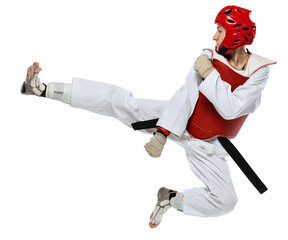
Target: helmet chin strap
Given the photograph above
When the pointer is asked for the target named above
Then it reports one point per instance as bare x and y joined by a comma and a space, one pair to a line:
222, 51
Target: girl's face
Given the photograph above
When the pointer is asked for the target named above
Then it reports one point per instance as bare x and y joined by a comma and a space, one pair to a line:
219, 35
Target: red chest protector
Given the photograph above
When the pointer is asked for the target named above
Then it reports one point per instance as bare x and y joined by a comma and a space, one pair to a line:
206, 122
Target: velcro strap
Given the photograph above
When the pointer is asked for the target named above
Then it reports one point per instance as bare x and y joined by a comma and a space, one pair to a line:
58, 91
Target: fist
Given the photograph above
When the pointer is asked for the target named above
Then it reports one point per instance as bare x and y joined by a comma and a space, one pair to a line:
156, 145
203, 65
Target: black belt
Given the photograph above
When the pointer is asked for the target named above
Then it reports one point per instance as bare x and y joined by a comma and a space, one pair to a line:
230, 149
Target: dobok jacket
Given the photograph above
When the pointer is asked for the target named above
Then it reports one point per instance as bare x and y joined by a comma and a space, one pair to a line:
219, 105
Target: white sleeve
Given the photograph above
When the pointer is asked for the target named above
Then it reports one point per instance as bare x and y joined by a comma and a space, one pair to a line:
242, 101
180, 107
182, 104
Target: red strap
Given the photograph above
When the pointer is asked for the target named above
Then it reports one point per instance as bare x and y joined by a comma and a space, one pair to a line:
163, 130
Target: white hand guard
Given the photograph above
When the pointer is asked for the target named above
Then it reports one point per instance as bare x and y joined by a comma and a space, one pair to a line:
156, 145
203, 65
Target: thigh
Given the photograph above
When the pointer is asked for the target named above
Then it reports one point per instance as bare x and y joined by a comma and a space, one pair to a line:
114, 101
207, 161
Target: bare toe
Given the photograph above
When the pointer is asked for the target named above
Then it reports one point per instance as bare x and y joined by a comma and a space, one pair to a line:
152, 226
37, 70
30, 72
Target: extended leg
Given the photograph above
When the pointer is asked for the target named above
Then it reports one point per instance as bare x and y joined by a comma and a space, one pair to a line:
98, 97
113, 101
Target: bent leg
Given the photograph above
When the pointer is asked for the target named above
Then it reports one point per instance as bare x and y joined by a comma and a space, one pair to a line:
218, 197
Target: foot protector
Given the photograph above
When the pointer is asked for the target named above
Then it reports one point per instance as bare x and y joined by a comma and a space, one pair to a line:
163, 204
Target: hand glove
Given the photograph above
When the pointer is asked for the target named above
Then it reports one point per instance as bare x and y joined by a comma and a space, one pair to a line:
156, 145
203, 65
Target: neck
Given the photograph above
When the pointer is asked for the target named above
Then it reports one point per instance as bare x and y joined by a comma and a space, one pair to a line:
238, 57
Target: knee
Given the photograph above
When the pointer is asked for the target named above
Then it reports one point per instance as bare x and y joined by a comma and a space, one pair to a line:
224, 202
227, 203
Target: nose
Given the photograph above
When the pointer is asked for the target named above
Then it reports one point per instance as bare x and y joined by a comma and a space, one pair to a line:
216, 36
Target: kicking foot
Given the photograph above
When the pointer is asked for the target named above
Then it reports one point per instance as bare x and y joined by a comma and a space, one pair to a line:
163, 204
32, 84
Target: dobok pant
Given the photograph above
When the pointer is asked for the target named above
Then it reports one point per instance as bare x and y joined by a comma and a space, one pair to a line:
206, 158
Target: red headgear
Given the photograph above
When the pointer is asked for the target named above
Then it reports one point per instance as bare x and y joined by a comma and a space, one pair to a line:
240, 30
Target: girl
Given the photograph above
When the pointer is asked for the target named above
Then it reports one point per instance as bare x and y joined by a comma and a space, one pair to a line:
221, 89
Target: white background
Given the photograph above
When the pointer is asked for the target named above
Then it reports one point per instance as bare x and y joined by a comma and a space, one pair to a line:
66, 173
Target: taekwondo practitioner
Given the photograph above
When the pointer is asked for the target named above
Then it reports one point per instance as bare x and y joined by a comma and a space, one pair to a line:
223, 86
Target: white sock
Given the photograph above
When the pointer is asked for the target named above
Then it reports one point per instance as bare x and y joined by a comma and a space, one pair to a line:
59, 91
177, 202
